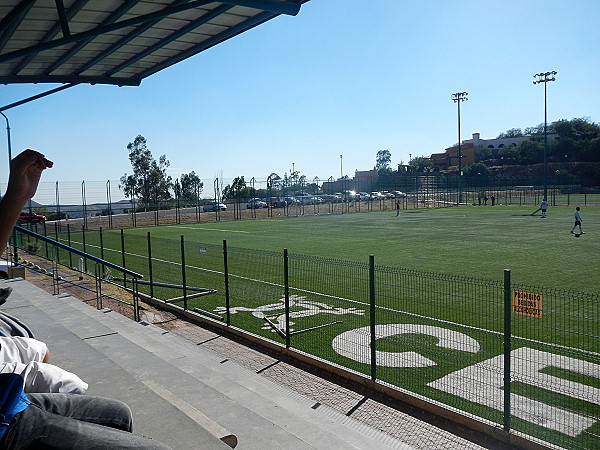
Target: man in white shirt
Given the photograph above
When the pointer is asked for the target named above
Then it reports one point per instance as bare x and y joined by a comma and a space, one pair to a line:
577, 222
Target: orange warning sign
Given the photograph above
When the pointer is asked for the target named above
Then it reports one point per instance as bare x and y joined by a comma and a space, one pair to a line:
527, 304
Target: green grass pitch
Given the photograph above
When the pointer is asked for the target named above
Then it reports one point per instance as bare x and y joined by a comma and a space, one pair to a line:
474, 242
477, 242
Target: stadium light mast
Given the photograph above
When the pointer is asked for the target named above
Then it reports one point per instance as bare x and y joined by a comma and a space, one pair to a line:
545, 77
8, 137
341, 166
457, 98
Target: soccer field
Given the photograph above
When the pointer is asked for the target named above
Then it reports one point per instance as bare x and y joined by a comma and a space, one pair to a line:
439, 299
477, 242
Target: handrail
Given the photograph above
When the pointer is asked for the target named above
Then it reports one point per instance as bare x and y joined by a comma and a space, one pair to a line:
78, 252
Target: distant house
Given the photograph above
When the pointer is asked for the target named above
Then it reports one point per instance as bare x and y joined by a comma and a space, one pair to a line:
364, 179
469, 150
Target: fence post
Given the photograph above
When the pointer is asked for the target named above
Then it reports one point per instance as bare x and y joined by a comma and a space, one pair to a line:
69, 242
123, 257
55, 285
46, 244
372, 316
226, 272
136, 300
56, 239
150, 266
101, 245
286, 293
84, 249
183, 281
507, 347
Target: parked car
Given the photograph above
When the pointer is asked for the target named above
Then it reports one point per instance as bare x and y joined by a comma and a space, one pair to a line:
331, 198
399, 194
305, 199
26, 217
214, 206
256, 203
277, 202
291, 200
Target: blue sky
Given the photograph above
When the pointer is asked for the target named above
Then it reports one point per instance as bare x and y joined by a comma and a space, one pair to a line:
344, 77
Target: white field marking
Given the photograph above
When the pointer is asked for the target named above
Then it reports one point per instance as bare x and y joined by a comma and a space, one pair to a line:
208, 229
347, 343
310, 308
269, 283
483, 383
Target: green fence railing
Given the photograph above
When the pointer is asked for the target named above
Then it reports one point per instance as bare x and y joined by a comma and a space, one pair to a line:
524, 357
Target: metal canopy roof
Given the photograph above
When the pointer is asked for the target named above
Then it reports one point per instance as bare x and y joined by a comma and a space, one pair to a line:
117, 41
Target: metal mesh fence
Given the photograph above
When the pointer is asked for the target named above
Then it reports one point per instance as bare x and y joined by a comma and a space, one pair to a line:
524, 357
96, 204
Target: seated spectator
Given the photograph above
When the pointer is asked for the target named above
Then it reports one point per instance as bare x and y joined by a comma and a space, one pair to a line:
69, 422
29, 358
54, 420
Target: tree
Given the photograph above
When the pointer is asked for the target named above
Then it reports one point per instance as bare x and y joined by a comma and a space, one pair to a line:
421, 164
236, 189
539, 129
513, 132
190, 186
149, 180
477, 170
273, 181
382, 160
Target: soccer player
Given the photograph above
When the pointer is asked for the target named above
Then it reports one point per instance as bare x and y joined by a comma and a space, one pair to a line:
544, 206
577, 222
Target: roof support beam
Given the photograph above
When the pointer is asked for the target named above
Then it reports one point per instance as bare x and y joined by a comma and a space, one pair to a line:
62, 18
193, 25
74, 9
9, 24
35, 97
103, 29
122, 9
117, 45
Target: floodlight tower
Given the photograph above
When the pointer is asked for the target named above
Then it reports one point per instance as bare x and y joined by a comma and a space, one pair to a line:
545, 77
457, 98
8, 137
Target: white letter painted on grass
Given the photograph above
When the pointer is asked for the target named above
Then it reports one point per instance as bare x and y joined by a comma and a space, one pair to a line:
355, 344
483, 383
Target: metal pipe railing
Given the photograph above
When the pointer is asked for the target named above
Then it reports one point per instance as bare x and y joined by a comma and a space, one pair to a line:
78, 252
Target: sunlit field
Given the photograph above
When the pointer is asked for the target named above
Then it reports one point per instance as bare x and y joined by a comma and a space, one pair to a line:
470, 241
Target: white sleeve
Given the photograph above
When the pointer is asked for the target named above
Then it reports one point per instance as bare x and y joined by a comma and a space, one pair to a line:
46, 378
21, 349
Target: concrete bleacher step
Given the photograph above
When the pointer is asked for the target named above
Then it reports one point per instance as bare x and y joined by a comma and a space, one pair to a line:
202, 364
153, 416
234, 401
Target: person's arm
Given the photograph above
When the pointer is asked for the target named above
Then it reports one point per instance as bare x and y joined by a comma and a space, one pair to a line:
25, 172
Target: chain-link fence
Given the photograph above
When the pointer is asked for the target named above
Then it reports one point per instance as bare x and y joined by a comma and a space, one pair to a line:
95, 205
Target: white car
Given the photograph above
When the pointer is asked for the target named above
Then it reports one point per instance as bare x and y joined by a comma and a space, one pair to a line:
305, 199
214, 206
256, 203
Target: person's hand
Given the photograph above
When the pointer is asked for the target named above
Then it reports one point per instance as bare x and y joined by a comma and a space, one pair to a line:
25, 172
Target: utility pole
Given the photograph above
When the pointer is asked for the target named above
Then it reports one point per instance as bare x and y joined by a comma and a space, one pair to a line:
457, 98
545, 77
